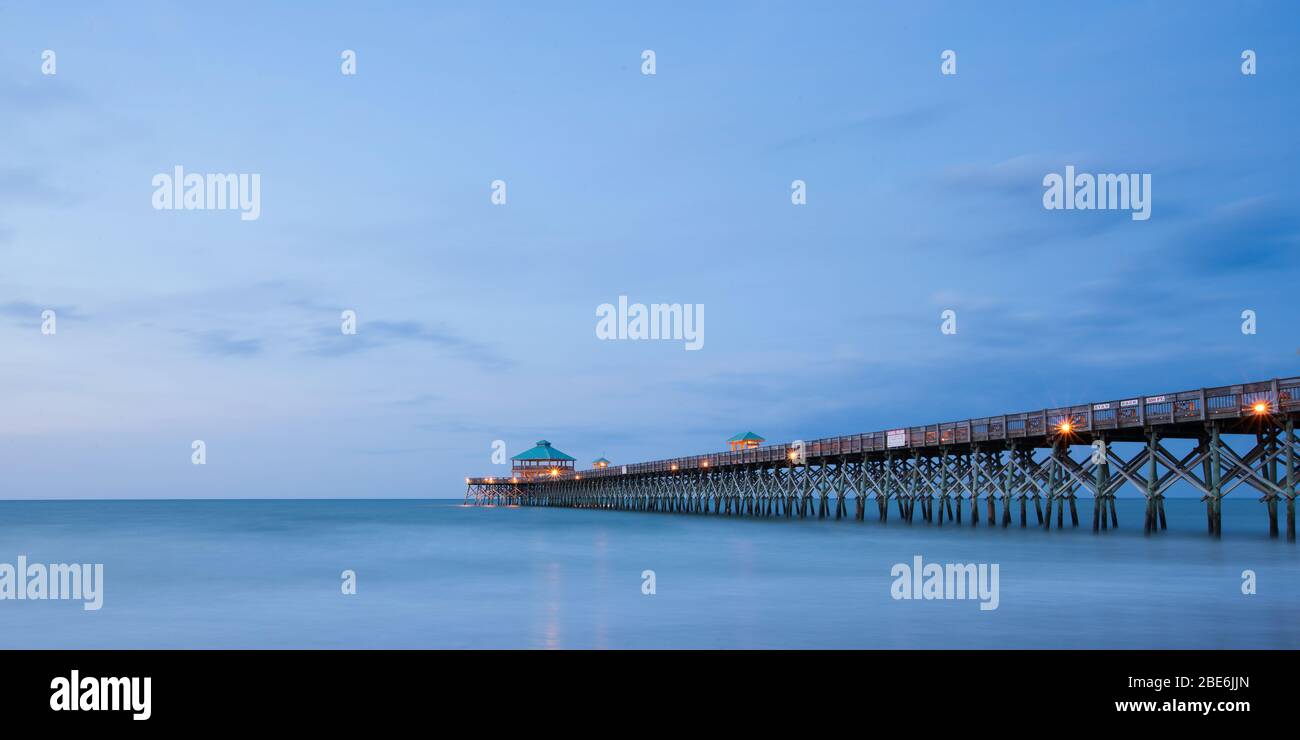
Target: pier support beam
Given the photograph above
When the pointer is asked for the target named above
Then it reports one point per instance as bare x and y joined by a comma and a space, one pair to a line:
1270, 498
1290, 479
1215, 500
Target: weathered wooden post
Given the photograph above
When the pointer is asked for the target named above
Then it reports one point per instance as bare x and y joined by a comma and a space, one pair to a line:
1098, 484
959, 496
901, 491
1216, 484
1149, 521
1051, 487
913, 476
1063, 493
860, 489
928, 501
1038, 500
791, 491
883, 501
943, 484
840, 510
1072, 486
991, 483
823, 506
1004, 474
805, 490
1108, 498
1290, 480
1270, 453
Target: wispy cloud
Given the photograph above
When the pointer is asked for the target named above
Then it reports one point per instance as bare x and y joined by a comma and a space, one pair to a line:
414, 402
23, 312
1253, 234
42, 95
221, 343
373, 335
1016, 177
877, 122
31, 186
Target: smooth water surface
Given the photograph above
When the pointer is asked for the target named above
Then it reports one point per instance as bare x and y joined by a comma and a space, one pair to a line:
263, 574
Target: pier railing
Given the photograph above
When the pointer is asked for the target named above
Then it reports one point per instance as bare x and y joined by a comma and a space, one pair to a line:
1246, 400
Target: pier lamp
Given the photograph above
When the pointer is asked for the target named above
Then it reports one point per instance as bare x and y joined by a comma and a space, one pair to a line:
674, 466
554, 472
705, 463
1065, 426
1260, 407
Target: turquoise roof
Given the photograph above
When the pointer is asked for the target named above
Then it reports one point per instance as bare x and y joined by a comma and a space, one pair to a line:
543, 451
747, 437
599, 460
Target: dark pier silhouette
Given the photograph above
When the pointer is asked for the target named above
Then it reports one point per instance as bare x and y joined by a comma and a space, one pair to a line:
929, 471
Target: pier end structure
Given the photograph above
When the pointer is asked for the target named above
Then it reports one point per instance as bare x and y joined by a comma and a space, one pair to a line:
541, 461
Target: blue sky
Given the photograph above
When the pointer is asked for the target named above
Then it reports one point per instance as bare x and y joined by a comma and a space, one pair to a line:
477, 321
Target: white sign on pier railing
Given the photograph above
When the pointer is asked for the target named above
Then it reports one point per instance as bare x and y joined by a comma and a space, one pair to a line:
896, 438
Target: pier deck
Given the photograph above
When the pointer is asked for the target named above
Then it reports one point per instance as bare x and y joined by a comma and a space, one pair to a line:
926, 469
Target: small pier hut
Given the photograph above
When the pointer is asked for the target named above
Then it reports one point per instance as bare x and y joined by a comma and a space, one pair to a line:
744, 441
541, 461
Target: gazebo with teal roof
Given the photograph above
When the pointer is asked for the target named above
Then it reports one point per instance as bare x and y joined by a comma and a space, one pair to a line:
541, 460
744, 441
600, 462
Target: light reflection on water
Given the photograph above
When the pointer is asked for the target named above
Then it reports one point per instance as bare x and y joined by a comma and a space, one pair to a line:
438, 574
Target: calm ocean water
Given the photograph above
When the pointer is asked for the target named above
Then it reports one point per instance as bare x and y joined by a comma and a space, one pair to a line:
263, 574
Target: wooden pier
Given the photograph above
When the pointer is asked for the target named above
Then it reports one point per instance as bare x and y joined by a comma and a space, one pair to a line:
1007, 461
